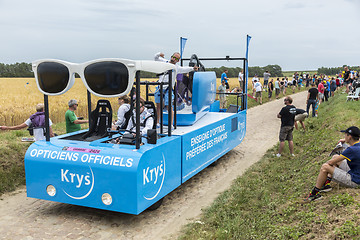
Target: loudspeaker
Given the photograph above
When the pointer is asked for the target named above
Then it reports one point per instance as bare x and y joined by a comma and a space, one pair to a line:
152, 136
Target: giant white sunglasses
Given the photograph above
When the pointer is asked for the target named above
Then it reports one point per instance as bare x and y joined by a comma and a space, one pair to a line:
108, 77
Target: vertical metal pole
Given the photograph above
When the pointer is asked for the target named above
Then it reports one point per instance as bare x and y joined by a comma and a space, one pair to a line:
161, 108
147, 91
47, 125
181, 61
175, 104
89, 104
137, 108
244, 95
170, 101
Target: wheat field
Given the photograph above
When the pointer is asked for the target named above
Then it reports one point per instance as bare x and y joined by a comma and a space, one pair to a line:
19, 96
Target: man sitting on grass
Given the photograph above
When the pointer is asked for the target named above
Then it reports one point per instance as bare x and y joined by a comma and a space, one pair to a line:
343, 168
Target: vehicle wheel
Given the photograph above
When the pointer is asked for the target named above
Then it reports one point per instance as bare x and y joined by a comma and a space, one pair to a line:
214, 164
156, 205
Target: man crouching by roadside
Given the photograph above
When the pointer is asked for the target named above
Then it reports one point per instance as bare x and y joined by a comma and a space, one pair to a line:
343, 168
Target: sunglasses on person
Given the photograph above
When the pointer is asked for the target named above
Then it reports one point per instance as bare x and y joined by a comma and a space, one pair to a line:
112, 77
176, 58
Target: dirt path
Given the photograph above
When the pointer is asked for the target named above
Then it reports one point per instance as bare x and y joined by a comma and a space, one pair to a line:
26, 218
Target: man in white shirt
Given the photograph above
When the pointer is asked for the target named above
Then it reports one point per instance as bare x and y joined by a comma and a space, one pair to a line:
241, 80
165, 79
255, 78
258, 90
38, 122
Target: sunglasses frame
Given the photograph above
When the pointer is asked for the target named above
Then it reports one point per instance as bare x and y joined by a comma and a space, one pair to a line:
132, 66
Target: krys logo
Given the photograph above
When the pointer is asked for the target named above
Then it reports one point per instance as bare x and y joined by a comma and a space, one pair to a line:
153, 178
77, 183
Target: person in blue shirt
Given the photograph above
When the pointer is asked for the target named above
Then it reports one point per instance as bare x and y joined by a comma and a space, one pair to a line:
343, 168
225, 78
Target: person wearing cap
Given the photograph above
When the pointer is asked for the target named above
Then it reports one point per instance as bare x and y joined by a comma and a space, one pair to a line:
37, 120
72, 122
343, 168
226, 79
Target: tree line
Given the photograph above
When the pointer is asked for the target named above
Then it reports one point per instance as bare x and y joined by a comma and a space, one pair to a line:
233, 72
16, 70
336, 70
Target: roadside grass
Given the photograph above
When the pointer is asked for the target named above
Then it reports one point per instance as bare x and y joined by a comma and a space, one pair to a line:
267, 201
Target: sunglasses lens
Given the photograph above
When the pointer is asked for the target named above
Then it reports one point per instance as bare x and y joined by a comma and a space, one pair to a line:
53, 77
107, 78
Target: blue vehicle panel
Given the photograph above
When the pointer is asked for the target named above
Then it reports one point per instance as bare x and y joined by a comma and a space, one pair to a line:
207, 144
135, 179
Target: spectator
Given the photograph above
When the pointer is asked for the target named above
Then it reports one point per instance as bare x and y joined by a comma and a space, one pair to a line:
241, 80
327, 90
222, 95
343, 168
282, 86
37, 120
293, 85
258, 90
299, 84
266, 79
271, 88
286, 84
347, 79
277, 88
72, 121
287, 116
300, 116
253, 84
337, 83
321, 90
312, 97
124, 108
224, 77
332, 87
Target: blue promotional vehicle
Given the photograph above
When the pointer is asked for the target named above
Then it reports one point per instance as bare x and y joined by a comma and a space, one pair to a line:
121, 170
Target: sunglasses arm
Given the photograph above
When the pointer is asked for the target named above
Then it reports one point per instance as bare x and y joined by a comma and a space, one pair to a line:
154, 67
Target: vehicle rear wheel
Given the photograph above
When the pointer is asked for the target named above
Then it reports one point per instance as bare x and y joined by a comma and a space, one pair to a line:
156, 205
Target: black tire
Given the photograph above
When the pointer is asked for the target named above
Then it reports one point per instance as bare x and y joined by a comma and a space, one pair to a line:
214, 164
155, 205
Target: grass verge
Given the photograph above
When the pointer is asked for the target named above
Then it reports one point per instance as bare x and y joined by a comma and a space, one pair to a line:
267, 201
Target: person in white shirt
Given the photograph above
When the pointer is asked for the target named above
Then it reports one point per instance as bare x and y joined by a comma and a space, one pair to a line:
258, 90
146, 120
255, 78
241, 80
124, 102
38, 122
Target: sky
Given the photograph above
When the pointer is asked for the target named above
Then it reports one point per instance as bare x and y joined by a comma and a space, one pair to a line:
297, 35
